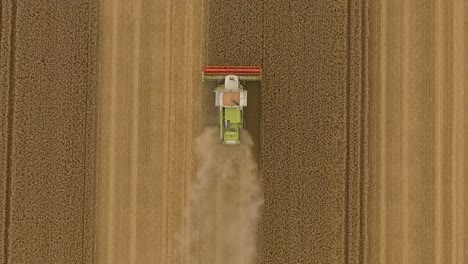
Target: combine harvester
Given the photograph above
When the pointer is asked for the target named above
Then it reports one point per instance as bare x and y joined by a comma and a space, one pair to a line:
231, 97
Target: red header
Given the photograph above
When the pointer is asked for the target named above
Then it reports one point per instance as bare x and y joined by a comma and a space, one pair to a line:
236, 70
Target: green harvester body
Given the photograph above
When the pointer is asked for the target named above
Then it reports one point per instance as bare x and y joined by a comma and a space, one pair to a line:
231, 98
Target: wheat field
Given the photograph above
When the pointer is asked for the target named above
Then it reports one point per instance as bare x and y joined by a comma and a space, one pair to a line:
355, 140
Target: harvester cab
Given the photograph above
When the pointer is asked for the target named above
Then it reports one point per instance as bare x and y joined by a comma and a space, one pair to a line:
231, 97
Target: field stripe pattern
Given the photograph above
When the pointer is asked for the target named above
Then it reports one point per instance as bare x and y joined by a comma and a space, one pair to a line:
417, 205
308, 120
151, 105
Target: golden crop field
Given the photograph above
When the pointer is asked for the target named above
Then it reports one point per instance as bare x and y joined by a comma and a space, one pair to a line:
48, 85
354, 149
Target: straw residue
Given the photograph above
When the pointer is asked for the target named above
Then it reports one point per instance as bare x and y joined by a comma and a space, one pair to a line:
225, 201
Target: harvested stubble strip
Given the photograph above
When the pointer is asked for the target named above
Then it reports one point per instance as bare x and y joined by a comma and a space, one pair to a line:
312, 125
47, 148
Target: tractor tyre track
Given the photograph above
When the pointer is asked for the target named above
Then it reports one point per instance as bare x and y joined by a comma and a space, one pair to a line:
8, 118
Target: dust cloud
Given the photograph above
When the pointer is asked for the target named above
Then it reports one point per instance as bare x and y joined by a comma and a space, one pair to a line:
225, 203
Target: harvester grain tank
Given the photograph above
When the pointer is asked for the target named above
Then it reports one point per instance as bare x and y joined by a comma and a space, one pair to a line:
231, 97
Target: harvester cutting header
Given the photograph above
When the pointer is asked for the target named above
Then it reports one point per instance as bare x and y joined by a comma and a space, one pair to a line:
231, 97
